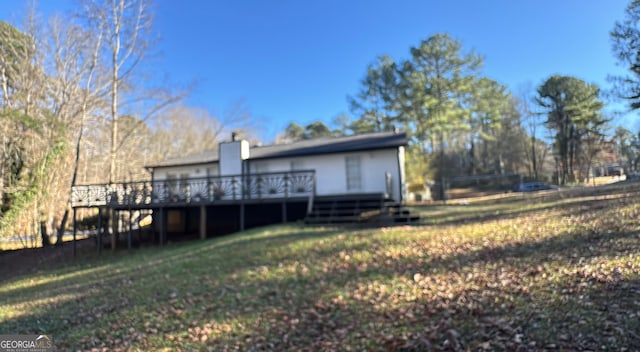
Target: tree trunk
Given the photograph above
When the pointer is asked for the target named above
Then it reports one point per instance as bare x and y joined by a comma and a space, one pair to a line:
63, 225
442, 154
533, 157
499, 166
46, 241
472, 165
114, 95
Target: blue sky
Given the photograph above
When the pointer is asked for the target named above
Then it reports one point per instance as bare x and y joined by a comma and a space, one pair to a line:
299, 60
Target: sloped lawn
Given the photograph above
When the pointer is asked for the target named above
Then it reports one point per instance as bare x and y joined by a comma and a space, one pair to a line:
544, 276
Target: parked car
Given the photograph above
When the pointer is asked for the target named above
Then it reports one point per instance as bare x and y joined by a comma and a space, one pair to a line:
533, 186
633, 176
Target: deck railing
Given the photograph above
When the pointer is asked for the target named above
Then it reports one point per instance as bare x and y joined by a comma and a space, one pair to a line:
263, 186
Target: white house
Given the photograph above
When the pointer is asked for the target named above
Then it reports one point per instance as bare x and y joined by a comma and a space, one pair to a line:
237, 186
362, 164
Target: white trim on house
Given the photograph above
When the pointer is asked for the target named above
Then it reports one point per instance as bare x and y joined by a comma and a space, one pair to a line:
353, 173
401, 196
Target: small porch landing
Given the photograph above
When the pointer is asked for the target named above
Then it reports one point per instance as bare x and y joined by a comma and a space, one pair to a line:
365, 208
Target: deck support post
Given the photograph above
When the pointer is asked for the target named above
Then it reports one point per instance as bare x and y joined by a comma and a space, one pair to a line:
113, 218
75, 230
162, 224
99, 232
242, 216
140, 218
129, 240
284, 212
203, 222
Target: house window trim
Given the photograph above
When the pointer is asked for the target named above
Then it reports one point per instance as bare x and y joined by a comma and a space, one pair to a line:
353, 182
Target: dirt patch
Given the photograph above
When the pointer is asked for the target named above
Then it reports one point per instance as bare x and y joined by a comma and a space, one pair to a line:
15, 263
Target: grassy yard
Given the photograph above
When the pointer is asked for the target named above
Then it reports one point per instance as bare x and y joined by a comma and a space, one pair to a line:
561, 274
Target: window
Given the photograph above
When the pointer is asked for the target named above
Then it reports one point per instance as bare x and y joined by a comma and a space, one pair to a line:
259, 167
184, 181
172, 182
177, 183
213, 170
354, 174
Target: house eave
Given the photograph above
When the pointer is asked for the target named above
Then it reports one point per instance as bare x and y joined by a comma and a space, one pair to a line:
340, 145
303, 154
152, 167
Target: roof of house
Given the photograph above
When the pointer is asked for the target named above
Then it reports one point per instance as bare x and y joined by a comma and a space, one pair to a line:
317, 146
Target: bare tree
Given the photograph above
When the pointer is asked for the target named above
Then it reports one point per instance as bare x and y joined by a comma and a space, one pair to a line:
126, 26
77, 90
127, 30
183, 130
26, 124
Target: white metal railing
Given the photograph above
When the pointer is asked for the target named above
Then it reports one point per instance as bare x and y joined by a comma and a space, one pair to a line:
272, 185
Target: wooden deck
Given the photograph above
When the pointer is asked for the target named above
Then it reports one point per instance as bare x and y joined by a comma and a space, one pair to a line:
211, 206
255, 188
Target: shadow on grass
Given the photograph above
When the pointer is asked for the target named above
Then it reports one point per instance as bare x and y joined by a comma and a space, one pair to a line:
510, 306
567, 248
79, 296
287, 290
480, 213
86, 278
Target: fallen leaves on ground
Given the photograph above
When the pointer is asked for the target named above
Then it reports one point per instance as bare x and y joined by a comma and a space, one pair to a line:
561, 277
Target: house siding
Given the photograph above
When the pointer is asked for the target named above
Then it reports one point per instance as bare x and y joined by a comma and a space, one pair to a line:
331, 170
194, 171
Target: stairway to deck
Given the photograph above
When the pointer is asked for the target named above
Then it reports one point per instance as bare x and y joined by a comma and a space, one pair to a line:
397, 213
358, 209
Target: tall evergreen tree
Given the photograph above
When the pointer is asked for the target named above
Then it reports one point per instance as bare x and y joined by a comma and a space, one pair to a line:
488, 103
627, 148
625, 38
317, 129
452, 114
377, 103
573, 109
294, 132
439, 76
